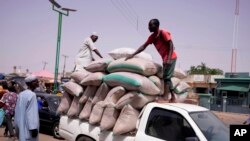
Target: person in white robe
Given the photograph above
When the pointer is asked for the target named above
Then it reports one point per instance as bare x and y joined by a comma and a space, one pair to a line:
85, 54
26, 112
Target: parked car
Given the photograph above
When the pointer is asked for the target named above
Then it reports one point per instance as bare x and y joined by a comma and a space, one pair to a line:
49, 119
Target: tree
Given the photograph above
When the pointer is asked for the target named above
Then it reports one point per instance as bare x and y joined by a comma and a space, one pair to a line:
203, 69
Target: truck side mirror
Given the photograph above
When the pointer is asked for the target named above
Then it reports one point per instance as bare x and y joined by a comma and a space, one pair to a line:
191, 139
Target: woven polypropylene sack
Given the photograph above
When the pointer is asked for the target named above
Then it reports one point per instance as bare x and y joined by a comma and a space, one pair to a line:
126, 121
86, 111
125, 52
65, 103
94, 79
109, 117
101, 93
89, 92
132, 81
97, 111
126, 99
78, 76
115, 94
175, 81
73, 88
179, 73
75, 108
98, 65
182, 88
140, 100
158, 82
136, 65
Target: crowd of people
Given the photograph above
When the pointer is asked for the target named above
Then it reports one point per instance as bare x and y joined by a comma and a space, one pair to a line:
22, 105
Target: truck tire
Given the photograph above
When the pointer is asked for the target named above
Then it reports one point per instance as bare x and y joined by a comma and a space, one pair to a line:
84, 138
56, 131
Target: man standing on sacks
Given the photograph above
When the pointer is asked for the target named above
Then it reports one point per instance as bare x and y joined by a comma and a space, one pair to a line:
162, 41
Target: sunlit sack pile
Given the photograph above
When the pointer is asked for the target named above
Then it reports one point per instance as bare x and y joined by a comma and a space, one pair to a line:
112, 92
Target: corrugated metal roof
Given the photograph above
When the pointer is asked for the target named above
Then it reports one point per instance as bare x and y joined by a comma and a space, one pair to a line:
234, 88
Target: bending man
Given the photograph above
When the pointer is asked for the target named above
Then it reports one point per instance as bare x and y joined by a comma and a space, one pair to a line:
162, 40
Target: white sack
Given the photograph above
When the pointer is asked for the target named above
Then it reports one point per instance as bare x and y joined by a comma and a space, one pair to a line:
73, 88
126, 121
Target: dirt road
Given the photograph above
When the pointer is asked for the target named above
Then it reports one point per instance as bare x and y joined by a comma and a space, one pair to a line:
42, 137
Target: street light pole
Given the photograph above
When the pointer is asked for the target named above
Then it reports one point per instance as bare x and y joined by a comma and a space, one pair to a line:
61, 12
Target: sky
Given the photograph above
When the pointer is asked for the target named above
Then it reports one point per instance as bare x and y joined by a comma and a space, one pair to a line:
202, 31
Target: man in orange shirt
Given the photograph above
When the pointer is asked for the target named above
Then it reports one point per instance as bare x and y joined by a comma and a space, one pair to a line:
162, 41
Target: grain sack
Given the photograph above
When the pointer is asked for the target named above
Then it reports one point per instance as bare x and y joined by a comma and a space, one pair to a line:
97, 111
175, 81
115, 94
179, 73
126, 99
180, 98
109, 117
89, 92
86, 111
158, 82
73, 88
65, 103
182, 88
132, 81
136, 65
75, 108
101, 93
98, 65
78, 76
126, 121
140, 100
125, 52
160, 70
94, 79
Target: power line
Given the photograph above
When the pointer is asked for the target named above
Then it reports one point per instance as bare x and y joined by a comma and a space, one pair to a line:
127, 9
131, 8
132, 11
123, 13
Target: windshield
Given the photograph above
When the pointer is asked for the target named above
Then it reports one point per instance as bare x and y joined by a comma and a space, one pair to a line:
54, 102
211, 126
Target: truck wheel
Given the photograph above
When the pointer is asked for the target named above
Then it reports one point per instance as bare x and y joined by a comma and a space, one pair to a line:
84, 138
56, 131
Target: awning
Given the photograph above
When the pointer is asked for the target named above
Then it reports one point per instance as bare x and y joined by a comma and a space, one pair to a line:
234, 88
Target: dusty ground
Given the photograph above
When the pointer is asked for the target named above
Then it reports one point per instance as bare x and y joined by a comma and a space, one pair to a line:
231, 118
42, 136
227, 118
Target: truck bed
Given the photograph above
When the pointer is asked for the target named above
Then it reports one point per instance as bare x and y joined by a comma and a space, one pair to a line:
70, 129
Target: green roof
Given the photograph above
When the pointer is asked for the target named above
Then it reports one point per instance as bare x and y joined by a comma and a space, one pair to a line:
234, 88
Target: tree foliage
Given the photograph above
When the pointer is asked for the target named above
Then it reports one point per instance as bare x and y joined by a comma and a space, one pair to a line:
205, 70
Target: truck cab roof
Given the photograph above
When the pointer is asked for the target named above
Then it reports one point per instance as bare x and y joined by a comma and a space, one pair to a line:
187, 107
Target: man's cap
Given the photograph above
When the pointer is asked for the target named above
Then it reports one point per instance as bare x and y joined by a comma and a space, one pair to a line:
94, 34
30, 78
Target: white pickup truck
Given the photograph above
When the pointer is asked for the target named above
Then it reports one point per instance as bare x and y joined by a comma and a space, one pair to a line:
157, 122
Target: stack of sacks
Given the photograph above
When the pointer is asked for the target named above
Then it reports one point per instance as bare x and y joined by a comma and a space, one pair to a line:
111, 93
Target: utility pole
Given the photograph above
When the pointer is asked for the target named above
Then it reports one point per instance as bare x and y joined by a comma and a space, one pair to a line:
61, 11
235, 37
44, 64
64, 65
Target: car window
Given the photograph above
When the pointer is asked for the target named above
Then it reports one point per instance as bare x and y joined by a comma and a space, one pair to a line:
168, 125
54, 102
211, 126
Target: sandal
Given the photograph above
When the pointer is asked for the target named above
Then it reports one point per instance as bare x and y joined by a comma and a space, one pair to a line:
5, 134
